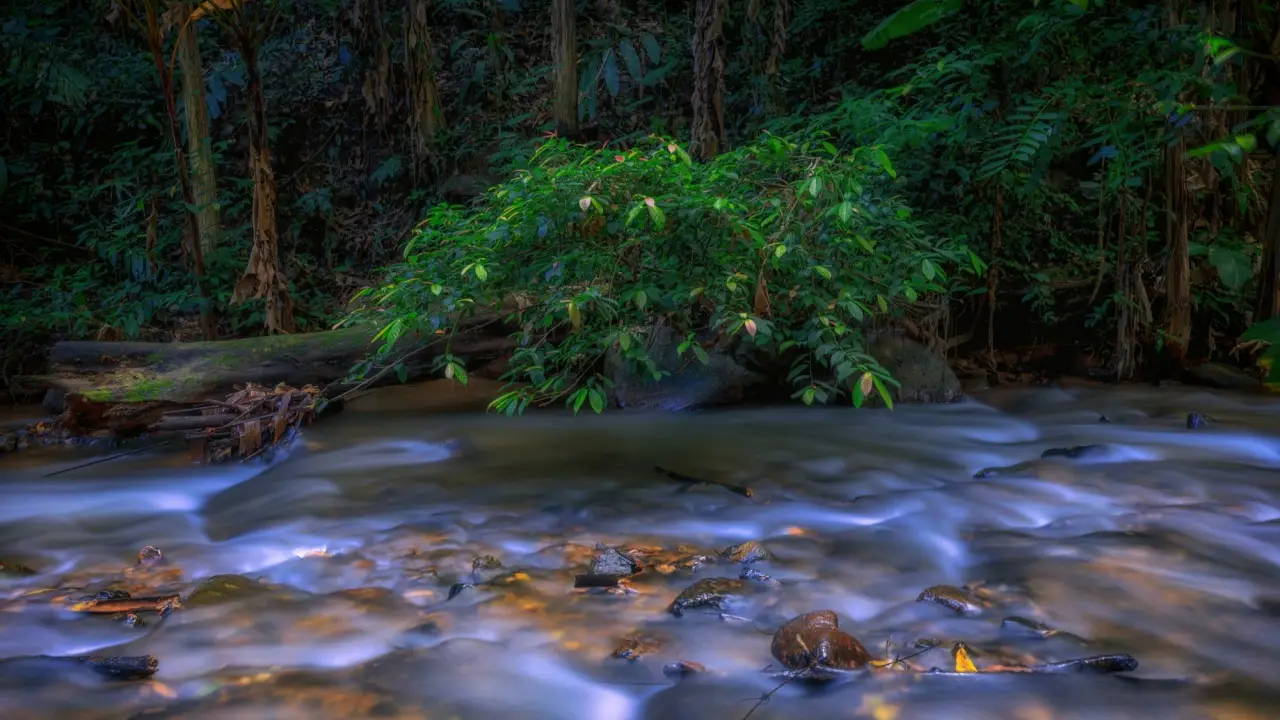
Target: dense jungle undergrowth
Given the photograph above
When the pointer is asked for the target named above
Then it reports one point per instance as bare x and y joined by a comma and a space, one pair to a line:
780, 175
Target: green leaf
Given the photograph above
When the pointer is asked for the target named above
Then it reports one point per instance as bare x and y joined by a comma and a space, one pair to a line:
402, 374
858, 397
655, 214
652, 48
780, 251
910, 19
926, 267
701, 354
845, 210
481, 273
815, 186
822, 271
883, 161
809, 394
597, 400
884, 392
1233, 267
631, 59
611, 73
578, 398
641, 299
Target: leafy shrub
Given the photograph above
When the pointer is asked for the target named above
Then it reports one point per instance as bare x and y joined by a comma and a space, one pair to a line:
787, 243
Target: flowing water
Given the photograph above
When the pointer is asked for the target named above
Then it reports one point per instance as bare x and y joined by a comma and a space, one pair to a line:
1164, 544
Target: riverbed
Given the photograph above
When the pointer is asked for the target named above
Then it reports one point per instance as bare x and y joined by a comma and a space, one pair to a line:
333, 565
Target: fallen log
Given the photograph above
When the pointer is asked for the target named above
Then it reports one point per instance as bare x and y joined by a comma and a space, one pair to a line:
131, 387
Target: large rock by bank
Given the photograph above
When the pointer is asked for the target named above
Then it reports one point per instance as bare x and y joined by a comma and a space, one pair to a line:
923, 376
734, 371
723, 380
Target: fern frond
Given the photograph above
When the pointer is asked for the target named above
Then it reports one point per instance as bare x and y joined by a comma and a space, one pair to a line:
1027, 132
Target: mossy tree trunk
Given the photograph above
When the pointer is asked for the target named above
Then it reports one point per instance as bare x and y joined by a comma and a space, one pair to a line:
199, 147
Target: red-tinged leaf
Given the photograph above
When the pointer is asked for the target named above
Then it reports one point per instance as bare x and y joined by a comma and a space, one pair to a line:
585, 203
649, 201
750, 325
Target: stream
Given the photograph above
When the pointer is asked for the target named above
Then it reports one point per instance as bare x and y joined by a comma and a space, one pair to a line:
318, 585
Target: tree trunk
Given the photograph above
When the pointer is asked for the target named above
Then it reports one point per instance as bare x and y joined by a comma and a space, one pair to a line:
424, 95
564, 58
263, 278
1177, 311
708, 78
205, 186
191, 224
1269, 300
1177, 279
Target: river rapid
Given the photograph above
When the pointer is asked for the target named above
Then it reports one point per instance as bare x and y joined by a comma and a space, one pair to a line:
333, 565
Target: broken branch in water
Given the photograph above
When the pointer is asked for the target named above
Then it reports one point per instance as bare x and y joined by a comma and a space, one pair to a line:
116, 456
689, 482
109, 606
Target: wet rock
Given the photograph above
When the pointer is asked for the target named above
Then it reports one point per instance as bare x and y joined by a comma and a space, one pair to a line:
952, 598
814, 642
722, 380
722, 595
456, 589
694, 562
611, 561
637, 645
133, 620
150, 555
1196, 420
1022, 626
485, 562
1024, 468
1073, 453
758, 577
923, 377
14, 570
430, 626
746, 553
1224, 376
223, 588
683, 668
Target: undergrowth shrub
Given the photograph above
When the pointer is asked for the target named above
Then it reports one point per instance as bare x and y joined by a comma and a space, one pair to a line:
788, 243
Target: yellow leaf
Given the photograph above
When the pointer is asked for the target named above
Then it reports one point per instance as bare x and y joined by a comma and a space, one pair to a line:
964, 664
575, 316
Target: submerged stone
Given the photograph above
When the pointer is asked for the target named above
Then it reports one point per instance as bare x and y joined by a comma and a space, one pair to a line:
758, 577
486, 562
12, 569
1074, 452
636, 646
611, 561
1022, 626
711, 594
223, 588
952, 598
746, 553
814, 642
683, 668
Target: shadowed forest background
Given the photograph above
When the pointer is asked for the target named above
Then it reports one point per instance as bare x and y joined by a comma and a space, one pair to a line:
1053, 186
